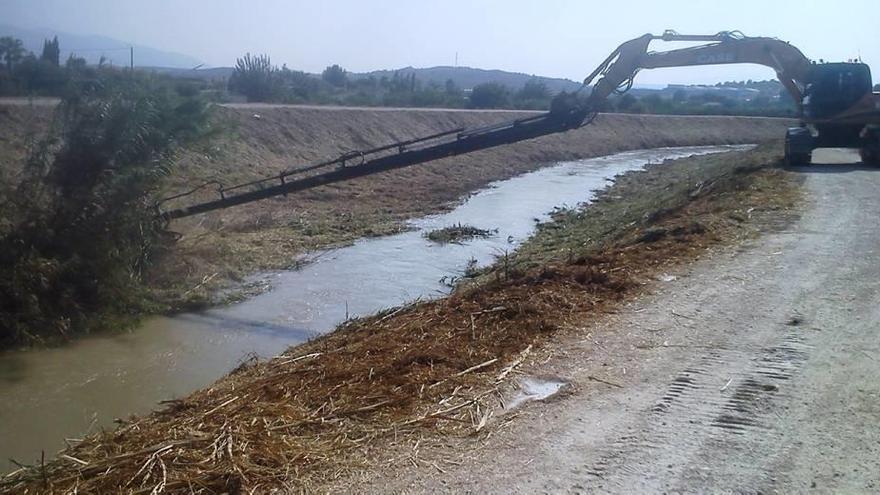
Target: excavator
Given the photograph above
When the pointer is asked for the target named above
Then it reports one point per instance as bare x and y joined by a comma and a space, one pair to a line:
836, 106
835, 103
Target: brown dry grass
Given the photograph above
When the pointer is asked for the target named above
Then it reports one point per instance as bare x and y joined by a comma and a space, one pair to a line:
333, 406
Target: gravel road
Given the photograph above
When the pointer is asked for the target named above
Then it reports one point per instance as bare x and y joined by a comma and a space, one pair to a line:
754, 371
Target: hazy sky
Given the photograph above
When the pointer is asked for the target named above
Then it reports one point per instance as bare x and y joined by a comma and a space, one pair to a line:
551, 37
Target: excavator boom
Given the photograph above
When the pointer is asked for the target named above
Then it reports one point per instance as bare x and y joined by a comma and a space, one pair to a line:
618, 70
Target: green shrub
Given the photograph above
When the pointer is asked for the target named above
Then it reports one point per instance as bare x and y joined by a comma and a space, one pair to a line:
255, 77
80, 227
489, 95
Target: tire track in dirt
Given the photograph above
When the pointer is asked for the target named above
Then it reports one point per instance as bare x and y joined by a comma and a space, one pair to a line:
693, 414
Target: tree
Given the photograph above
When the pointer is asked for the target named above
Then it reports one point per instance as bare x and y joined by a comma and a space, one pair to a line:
298, 85
399, 83
761, 101
680, 96
653, 103
75, 63
489, 95
11, 50
877, 87
82, 227
534, 89
628, 103
254, 77
451, 88
785, 99
51, 52
38, 76
533, 95
335, 76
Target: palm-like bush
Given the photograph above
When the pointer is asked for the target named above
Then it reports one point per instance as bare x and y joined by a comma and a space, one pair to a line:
82, 225
255, 77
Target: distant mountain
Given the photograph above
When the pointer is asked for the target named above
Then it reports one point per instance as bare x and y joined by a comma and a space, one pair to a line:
92, 47
464, 77
468, 77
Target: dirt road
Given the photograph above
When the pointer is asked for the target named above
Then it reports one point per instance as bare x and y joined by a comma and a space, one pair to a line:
753, 371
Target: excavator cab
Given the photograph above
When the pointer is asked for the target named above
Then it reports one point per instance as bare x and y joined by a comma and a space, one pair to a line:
834, 87
831, 89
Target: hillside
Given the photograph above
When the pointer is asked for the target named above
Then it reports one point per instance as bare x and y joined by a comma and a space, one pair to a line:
468, 77
463, 77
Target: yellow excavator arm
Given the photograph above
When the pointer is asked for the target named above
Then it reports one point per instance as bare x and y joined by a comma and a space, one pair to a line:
616, 73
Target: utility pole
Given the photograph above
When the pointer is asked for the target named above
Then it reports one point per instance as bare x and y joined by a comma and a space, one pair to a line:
131, 57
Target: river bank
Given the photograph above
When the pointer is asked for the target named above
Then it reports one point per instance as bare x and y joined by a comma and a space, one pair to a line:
377, 388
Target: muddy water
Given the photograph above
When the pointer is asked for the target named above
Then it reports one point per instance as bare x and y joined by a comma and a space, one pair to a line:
50, 395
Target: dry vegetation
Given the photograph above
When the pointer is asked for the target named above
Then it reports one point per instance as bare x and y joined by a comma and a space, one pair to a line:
457, 233
340, 404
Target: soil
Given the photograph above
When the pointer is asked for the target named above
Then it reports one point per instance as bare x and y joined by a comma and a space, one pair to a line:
424, 385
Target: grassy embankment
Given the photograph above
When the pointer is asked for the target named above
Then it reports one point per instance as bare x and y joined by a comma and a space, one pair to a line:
340, 404
222, 247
